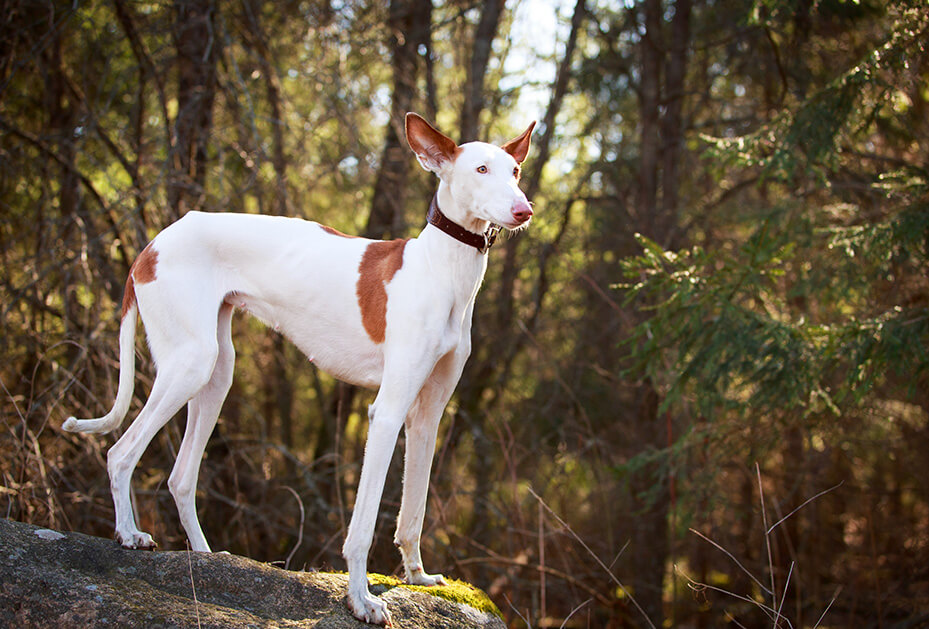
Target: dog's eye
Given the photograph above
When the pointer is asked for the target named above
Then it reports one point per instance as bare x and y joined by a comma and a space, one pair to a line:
516, 171
482, 169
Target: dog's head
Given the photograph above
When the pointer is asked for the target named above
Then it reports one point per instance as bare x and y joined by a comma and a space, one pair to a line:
483, 179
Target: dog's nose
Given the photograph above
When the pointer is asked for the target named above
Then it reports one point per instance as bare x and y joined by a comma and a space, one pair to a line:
521, 212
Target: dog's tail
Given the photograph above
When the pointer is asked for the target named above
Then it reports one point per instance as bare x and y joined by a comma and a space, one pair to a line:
126, 372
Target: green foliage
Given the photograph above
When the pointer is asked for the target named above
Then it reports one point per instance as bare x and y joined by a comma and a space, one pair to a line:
797, 316
811, 138
774, 309
722, 332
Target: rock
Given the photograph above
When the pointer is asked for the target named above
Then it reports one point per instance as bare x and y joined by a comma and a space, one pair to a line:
52, 579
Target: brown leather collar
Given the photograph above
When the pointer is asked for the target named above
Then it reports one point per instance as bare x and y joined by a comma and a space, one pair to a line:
481, 242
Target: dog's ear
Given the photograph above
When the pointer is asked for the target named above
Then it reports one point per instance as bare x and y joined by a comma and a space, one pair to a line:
433, 149
519, 147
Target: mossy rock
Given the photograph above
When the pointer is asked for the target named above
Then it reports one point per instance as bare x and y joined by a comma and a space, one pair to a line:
456, 591
51, 579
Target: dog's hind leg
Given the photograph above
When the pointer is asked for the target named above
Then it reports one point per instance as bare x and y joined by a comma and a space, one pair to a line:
202, 413
185, 365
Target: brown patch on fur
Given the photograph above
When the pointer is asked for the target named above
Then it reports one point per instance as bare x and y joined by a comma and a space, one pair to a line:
334, 232
128, 296
142, 271
381, 260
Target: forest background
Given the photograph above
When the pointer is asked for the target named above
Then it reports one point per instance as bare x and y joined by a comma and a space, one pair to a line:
697, 395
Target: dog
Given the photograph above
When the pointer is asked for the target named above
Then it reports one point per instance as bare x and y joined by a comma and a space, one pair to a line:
393, 315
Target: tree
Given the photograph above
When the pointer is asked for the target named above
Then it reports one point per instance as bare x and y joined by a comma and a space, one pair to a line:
198, 46
726, 268
409, 30
797, 324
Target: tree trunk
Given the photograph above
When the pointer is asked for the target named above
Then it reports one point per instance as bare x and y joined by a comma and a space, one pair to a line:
61, 122
672, 125
280, 387
147, 73
649, 112
651, 498
480, 54
197, 44
490, 368
410, 27
661, 144
532, 183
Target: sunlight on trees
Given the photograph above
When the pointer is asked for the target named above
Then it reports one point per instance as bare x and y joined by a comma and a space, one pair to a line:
717, 321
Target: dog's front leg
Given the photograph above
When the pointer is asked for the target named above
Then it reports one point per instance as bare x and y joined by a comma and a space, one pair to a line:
421, 433
382, 436
422, 426
403, 378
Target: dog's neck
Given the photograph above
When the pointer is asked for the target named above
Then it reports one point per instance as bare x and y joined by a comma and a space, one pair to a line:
482, 242
459, 266
456, 212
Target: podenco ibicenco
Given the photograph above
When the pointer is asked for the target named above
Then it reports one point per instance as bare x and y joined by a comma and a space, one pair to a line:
389, 314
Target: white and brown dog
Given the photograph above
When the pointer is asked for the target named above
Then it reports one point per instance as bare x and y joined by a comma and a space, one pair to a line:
393, 315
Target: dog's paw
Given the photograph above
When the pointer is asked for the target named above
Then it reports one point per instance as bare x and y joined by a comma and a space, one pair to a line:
421, 578
415, 575
136, 540
370, 609
71, 425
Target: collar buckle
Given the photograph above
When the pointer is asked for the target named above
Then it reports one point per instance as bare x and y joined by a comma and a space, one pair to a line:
490, 236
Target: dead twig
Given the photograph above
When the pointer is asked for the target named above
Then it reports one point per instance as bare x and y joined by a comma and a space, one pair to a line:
767, 539
300, 531
774, 610
732, 557
595, 557
770, 612
193, 586
805, 502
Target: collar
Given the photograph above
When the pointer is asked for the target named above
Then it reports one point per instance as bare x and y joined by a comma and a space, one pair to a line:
481, 242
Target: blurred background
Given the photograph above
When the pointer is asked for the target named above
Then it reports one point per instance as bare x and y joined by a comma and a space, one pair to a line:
698, 391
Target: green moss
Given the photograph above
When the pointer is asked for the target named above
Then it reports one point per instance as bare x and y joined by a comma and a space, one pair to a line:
455, 591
